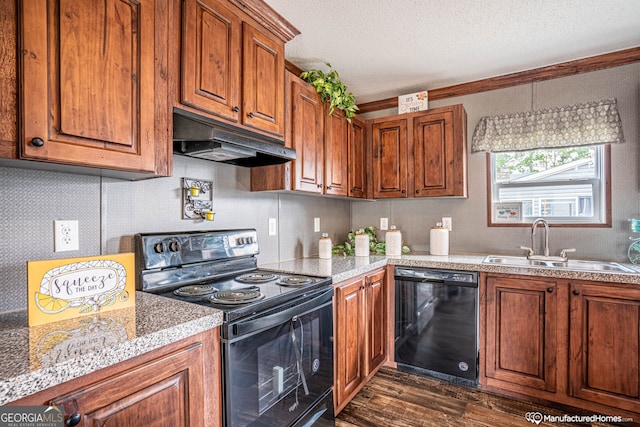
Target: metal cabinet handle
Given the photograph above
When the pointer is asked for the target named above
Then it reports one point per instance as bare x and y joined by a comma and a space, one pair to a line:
73, 420
403, 191
417, 191
37, 142
550, 290
236, 109
576, 292
320, 185
250, 115
329, 188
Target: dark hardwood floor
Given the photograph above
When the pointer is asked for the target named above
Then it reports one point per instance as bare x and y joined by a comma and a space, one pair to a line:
396, 399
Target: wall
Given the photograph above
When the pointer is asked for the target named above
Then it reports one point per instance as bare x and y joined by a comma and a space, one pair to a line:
111, 211
470, 234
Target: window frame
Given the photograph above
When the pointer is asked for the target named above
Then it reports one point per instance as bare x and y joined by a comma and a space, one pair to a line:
605, 222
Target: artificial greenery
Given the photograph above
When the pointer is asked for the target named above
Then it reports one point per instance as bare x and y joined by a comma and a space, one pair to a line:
375, 246
332, 90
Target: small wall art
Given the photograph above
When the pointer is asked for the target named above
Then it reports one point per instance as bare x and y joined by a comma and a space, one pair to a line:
507, 212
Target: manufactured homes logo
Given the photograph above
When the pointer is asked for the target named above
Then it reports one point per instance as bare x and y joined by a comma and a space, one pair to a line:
31, 416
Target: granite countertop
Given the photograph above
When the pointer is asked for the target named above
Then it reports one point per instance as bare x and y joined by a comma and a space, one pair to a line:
342, 268
35, 358
38, 357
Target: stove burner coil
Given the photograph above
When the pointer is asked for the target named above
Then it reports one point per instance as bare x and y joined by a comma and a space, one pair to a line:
236, 297
194, 290
295, 281
256, 277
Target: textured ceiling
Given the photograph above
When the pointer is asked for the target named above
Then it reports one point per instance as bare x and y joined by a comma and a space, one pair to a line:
386, 48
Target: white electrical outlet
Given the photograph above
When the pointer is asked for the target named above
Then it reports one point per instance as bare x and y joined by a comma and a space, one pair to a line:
384, 223
273, 226
446, 222
316, 225
66, 236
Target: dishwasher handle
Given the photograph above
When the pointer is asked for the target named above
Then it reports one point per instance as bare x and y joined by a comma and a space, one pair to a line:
446, 277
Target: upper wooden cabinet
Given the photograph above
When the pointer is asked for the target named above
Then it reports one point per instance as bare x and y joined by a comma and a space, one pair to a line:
320, 140
357, 159
93, 84
421, 154
231, 67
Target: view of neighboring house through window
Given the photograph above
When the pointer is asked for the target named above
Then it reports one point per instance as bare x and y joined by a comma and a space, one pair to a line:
563, 185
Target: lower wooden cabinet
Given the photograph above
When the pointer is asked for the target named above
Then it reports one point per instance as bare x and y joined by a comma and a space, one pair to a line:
360, 333
177, 385
604, 358
576, 343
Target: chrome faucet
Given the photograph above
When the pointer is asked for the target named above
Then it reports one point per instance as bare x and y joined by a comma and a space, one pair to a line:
546, 234
531, 253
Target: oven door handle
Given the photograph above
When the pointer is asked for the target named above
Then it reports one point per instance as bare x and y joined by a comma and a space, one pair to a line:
280, 317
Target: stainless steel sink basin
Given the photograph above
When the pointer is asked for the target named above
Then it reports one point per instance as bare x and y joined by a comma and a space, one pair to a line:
596, 266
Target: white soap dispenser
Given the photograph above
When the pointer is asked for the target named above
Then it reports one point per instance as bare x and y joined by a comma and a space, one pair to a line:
393, 242
324, 246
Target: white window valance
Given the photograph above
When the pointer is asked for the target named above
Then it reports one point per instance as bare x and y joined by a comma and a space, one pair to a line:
569, 126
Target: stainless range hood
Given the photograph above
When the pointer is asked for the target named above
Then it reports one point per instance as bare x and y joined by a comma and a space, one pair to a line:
197, 136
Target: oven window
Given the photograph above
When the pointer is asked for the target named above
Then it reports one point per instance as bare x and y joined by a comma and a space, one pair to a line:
273, 376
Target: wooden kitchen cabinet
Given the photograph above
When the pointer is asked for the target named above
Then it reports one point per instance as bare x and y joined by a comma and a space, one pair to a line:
420, 154
572, 342
93, 85
521, 332
357, 159
231, 62
321, 143
360, 333
604, 359
178, 385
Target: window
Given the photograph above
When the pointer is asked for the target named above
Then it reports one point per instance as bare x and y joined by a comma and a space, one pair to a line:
563, 185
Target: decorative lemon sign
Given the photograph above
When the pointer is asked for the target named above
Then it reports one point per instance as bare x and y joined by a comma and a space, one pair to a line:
67, 288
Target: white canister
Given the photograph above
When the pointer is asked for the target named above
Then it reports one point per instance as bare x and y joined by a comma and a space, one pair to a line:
362, 243
393, 242
439, 240
324, 246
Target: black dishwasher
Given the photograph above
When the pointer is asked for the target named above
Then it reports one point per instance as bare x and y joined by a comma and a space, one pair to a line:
436, 323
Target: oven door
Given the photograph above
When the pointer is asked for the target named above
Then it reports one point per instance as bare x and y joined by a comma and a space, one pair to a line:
278, 365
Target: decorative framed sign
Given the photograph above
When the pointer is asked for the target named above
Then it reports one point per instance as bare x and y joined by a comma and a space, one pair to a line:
60, 289
413, 102
507, 212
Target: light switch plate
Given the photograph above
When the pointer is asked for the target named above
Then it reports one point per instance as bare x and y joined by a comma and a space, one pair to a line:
384, 223
446, 222
273, 226
316, 225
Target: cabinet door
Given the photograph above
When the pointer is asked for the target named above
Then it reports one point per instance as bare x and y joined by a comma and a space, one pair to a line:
604, 345
357, 160
307, 135
433, 154
521, 331
376, 315
389, 140
349, 336
166, 391
88, 83
8, 80
336, 153
263, 81
211, 53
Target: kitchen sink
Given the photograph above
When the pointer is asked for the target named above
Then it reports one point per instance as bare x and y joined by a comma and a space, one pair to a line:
579, 265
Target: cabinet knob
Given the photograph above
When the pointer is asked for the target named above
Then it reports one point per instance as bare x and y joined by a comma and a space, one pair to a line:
550, 290
352, 190
236, 109
73, 420
576, 292
417, 191
250, 115
403, 191
37, 142
329, 188
320, 186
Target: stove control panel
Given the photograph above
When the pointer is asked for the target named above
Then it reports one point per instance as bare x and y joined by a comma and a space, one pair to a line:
161, 250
